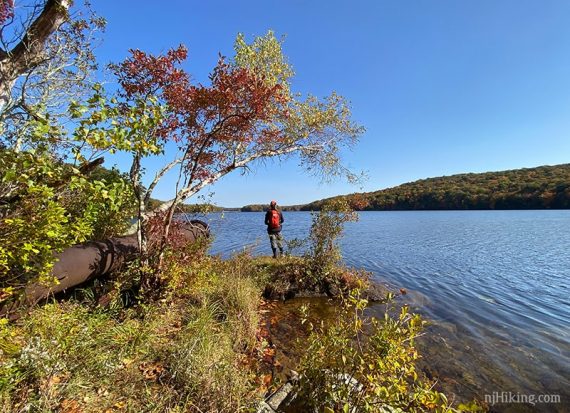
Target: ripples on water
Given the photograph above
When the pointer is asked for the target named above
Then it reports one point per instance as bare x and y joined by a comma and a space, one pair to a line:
495, 285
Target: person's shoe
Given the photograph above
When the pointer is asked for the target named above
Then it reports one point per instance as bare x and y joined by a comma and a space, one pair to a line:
275, 253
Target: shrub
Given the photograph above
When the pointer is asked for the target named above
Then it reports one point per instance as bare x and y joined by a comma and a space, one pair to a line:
344, 369
327, 226
47, 208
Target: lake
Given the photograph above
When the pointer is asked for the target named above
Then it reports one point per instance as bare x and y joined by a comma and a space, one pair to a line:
493, 284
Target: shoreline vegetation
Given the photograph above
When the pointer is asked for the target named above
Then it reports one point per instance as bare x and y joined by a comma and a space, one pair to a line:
204, 345
201, 342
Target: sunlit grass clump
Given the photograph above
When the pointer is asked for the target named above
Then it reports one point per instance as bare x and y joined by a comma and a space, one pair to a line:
192, 350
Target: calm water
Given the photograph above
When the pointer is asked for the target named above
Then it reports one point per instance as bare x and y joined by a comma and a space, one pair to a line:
495, 285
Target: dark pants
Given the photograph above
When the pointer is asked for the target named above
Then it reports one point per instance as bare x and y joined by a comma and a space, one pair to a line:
276, 242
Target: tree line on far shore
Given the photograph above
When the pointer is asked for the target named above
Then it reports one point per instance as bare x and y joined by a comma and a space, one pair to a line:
543, 187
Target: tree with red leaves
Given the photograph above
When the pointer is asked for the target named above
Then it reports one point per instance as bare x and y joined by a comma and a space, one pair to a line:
247, 113
6, 10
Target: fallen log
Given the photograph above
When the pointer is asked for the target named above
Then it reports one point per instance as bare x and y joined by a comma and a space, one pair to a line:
81, 263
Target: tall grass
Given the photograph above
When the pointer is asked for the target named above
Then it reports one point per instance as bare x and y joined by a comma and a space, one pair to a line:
183, 352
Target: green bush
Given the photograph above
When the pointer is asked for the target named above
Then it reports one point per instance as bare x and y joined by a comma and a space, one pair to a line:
346, 369
327, 225
46, 206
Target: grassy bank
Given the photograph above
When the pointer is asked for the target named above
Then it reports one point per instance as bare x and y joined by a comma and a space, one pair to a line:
192, 350
201, 347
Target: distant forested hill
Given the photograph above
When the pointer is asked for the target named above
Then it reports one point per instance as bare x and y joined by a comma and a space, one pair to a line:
543, 187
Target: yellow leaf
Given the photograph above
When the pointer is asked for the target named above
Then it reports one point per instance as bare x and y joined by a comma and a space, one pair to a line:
127, 361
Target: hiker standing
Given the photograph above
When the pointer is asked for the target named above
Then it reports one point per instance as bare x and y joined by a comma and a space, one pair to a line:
273, 220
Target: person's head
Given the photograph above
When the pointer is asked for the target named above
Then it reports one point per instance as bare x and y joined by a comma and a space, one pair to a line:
273, 204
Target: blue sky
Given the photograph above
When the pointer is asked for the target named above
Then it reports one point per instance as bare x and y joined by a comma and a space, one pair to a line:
442, 86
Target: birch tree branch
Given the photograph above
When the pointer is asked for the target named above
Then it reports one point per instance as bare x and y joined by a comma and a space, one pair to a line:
159, 176
187, 192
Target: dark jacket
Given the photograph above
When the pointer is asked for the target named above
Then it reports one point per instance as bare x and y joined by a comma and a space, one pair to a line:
268, 220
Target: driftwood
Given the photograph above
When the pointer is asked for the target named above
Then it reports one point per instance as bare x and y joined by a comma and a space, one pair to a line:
82, 263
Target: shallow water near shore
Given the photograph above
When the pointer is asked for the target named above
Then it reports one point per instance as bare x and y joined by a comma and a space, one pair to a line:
494, 286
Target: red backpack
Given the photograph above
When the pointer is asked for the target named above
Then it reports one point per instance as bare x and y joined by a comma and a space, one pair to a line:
274, 222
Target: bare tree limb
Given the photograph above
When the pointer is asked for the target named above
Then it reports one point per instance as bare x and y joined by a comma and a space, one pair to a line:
159, 176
